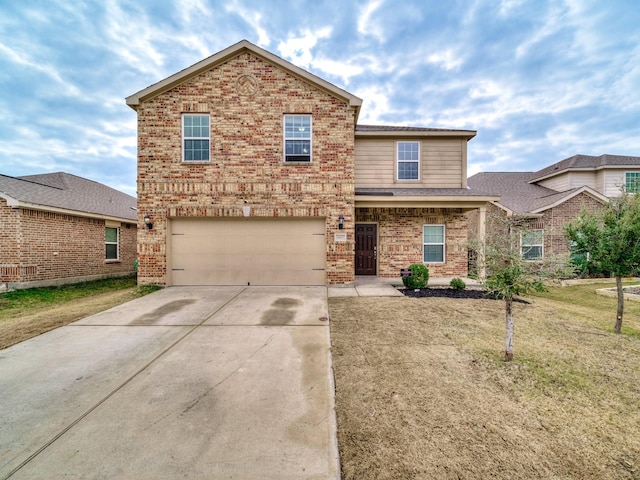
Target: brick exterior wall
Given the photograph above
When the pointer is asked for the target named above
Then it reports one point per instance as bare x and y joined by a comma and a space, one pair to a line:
400, 239
246, 166
40, 248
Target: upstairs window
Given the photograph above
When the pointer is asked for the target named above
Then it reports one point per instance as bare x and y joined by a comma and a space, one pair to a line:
433, 243
297, 138
632, 182
532, 245
195, 138
111, 249
408, 160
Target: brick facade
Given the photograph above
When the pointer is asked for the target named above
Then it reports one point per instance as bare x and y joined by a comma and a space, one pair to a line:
42, 248
246, 166
400, 238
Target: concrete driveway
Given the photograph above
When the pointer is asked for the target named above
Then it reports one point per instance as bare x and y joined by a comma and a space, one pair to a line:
188, 382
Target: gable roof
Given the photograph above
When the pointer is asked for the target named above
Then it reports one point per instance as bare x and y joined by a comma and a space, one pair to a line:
585, 162
397, 131
521, 197
65, 193
227, 54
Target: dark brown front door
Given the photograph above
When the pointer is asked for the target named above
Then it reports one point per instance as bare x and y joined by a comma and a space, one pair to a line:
366, 248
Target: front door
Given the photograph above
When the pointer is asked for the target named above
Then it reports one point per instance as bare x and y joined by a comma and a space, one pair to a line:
366, 248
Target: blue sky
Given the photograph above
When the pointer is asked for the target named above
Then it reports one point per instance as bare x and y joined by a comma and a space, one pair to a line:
539, 80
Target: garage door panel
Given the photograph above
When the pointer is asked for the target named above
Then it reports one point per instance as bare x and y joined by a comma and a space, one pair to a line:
248, 251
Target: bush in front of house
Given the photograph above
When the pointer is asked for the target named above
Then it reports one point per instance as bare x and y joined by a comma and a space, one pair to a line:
457, 284
419, 276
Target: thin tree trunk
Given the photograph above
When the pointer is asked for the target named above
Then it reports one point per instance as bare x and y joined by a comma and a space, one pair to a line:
620, 304
508, 352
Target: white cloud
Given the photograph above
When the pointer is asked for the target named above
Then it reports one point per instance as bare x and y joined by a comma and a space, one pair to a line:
254, 19
298, 49
24, 59
447, 59
375, 104
367, 26
553, 21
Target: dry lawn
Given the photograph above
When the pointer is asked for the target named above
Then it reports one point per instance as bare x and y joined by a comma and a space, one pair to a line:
20, 324
422, 391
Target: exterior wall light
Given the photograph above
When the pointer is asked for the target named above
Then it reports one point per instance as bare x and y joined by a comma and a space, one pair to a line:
147, 222
340, 222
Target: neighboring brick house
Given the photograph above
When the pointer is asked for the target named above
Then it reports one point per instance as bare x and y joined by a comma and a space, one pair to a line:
59, 228
556, 195
254, 171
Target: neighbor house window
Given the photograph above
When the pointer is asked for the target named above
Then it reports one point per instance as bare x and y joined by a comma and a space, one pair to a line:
632, 182
408, 160
195, 138
433, 243
532, 245
111, 249
297, 138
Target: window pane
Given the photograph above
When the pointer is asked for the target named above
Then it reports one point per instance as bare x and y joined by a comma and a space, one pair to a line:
110, 234
532, 253
408, 150
534, 237
632, 181
196, 150
433, 253
407, 171
111, 251
433, 234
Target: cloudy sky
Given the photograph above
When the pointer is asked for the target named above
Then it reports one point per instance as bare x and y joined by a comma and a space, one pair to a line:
540, 80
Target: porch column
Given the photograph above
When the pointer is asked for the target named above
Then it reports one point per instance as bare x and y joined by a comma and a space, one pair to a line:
482, 220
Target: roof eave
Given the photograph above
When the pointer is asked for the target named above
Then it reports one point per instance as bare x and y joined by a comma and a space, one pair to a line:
468, 134
230, 52
17, 204
423, 201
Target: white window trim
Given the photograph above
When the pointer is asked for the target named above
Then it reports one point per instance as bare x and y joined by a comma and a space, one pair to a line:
419, 161
116, 243
195, 138
522, 245
444, 243
284, 138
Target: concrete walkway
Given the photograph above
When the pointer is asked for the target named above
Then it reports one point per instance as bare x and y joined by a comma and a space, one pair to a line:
202, 382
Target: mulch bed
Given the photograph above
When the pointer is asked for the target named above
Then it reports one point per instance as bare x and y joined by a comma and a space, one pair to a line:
632, 290
467, 293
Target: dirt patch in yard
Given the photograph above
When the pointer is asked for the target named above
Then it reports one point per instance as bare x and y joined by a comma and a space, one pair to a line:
22, 326
421, 392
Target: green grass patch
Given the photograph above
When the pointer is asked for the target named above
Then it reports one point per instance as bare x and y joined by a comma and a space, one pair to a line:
39, 297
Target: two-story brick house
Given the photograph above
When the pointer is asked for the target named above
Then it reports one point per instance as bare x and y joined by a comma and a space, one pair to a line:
254, 171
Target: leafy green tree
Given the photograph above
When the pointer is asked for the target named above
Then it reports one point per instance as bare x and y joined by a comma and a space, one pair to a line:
510, 272
609, 240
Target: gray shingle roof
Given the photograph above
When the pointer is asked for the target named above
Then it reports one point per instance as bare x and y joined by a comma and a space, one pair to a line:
516, 193
69, 192
586, 162
391, 128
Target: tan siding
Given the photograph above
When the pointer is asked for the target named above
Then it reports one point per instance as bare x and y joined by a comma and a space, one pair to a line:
441, 163
614, 181
581, 179
559, 183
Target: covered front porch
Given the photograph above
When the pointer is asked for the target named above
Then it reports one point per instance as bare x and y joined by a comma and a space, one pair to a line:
395, 228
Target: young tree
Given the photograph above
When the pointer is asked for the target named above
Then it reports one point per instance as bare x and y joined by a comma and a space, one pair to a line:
610, 241
508, 270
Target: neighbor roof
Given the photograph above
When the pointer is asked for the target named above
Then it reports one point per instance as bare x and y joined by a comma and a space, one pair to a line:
521, 197
227, 54
66, 193
585, 162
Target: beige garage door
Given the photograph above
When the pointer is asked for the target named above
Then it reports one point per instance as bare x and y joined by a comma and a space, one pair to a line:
247, 251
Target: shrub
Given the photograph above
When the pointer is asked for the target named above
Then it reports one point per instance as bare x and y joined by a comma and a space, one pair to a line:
419, 276
457, 284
